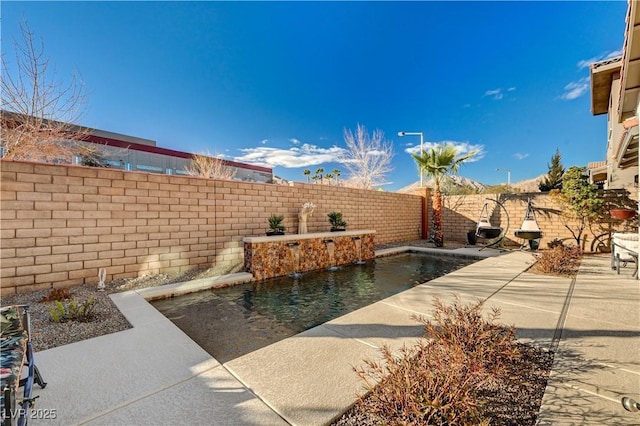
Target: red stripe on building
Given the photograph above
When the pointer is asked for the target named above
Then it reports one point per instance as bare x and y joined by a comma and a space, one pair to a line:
101, 140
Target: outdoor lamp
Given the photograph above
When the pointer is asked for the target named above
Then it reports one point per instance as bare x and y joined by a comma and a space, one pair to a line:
421, 145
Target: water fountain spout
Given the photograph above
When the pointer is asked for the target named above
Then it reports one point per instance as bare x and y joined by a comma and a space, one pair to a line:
294, 251
332, 257
357, 241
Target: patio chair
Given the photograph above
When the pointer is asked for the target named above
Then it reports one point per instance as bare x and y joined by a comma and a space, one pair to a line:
529, 231
16, 353
624, 249
484, 228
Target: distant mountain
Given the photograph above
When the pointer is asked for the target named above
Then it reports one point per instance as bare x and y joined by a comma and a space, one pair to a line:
459, 181
529, 185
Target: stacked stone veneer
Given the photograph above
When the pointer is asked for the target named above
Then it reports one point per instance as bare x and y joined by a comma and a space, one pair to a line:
268, 257
60, 223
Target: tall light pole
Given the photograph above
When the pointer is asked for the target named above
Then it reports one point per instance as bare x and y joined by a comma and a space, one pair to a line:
508, 175
421, 146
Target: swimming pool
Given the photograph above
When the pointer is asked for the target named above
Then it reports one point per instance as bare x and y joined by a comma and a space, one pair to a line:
233, 321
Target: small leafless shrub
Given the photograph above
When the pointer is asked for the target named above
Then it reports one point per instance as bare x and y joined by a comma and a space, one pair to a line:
57, 294
559, 260
439, 381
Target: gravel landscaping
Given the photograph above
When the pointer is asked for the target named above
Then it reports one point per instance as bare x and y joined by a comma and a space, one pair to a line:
107, 319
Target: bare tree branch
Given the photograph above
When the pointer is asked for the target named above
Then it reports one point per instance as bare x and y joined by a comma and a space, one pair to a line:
367, 158
37, 110
209, 166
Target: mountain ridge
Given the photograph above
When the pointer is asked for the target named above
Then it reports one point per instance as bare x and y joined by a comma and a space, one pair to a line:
527, 185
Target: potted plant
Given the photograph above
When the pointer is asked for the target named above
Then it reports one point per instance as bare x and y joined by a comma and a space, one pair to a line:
275, 225
337, 224
471, 237
623, 214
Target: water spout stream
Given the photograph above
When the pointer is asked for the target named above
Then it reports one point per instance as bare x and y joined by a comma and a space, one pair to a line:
357, 241
332, 256
294, 251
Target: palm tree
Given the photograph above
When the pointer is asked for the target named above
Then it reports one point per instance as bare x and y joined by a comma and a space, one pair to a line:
438, 163
336, 173
315, 178
319, 172
306, 172
329, 176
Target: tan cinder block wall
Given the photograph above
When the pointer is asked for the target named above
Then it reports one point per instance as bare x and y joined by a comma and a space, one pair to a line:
462, 212
59, 224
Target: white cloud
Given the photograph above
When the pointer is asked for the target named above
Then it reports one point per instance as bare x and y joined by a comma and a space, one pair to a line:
496, 93
214, 154
264, 141
294, 141
585, 63
294, 157
520, 156
462, 148
575, 89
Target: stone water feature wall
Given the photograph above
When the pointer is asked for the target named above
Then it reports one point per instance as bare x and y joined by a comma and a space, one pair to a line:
268, 257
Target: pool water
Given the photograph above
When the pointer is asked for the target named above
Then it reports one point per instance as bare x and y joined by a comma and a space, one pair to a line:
233, 321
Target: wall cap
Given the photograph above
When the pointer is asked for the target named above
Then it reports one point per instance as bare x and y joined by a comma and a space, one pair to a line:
311, 235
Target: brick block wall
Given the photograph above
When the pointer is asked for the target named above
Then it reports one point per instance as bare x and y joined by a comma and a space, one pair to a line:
59, 224
462, 212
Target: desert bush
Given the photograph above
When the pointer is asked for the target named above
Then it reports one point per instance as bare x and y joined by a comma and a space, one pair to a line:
73, 311
555, 243
440, 380
57, 294
559, 260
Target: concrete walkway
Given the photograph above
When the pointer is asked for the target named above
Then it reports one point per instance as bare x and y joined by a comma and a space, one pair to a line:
153, 374
597, 357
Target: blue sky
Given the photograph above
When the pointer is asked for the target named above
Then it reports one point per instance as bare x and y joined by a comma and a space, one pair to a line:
276, 83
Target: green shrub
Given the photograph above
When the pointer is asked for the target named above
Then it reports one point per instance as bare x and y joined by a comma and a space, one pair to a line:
275, 223
336, 221
73, 311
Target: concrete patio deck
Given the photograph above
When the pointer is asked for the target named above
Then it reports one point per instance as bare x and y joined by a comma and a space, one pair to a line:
153, 374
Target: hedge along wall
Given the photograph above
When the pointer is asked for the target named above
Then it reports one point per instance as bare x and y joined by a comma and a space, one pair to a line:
59, 224
462, 212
